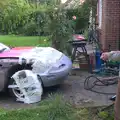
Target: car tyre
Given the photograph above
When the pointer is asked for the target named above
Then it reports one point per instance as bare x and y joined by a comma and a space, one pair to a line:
14, 93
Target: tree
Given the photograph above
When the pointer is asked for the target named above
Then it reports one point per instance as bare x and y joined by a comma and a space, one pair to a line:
13, 15
59, 26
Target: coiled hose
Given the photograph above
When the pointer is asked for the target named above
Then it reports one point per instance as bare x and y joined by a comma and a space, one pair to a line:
99, 82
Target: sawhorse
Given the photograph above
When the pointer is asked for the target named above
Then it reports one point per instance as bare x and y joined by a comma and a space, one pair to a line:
80, 44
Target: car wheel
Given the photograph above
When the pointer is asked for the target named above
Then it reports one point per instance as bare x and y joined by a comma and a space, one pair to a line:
15, 92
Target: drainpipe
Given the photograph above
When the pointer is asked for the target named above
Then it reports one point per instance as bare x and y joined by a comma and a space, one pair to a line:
119, 31
117, 101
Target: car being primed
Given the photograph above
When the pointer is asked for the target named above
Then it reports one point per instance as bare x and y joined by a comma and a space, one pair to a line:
9, 64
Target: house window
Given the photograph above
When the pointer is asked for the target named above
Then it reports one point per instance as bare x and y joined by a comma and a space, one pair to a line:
100, 13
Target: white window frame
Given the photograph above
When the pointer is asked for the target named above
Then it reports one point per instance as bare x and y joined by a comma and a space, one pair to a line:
100, 7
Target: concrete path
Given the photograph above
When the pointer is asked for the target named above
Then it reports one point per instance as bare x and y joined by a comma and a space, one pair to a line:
72, 90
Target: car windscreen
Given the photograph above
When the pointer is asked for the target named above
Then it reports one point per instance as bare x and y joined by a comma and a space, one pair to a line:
3, 47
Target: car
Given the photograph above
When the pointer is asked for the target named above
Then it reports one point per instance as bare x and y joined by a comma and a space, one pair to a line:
56, 65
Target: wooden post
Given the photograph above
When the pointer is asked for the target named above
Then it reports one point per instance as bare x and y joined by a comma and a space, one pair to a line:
117, 102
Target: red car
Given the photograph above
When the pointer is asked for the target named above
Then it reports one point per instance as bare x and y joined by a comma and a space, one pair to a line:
9, 65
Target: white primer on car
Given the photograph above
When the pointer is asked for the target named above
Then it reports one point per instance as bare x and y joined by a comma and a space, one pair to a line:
27, 82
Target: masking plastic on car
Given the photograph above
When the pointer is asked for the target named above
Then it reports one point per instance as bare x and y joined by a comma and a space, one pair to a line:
46, 62
42, 58
30, 86
50, 65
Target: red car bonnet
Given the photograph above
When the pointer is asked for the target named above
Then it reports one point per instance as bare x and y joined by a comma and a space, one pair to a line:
15, 52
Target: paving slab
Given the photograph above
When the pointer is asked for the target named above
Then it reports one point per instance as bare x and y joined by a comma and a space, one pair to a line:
80, 97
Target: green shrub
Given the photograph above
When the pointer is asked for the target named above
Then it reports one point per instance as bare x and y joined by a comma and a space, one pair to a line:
29, 29
24, 18
60, 28
20, 16
82, 17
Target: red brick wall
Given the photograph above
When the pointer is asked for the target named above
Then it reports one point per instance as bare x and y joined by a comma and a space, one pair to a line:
110, 30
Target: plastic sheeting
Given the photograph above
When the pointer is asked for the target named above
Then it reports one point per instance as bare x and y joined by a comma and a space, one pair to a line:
42, 58
29, 85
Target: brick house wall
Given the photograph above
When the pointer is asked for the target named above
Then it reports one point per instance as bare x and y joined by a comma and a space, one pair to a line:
109, 32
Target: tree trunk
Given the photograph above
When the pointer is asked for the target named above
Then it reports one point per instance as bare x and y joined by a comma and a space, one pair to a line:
117, 103
53, 44
56, 44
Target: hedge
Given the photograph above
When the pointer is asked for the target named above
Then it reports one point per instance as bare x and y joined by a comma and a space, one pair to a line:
21, 17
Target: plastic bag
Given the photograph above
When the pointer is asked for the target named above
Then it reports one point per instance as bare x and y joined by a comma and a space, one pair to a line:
29, 85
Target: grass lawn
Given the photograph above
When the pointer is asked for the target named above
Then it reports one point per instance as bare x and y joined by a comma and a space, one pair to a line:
54, 108
11, 40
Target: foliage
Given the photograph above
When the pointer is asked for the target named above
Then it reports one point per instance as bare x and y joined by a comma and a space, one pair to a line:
106, 115
61, 25
31, 18
93, 4
15, 14
53, 108
60, 28
82, 16
20, 17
